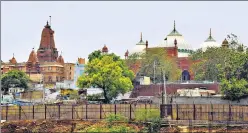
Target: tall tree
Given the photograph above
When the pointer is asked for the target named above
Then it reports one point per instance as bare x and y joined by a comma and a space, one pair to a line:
14, 78
108, 72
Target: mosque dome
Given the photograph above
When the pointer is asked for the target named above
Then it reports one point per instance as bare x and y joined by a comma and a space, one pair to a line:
210, 42
139, 47
183, 47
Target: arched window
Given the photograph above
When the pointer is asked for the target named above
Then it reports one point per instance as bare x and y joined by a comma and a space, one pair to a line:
185, 75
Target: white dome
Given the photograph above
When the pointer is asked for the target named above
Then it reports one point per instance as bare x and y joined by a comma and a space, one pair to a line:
183, 47
210, 42
138, 49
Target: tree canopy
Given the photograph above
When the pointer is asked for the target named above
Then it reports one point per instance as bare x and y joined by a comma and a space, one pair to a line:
14, 78
229, 66
108, 72
155, 58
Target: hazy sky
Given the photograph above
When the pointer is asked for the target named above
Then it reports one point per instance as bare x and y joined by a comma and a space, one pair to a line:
82, 27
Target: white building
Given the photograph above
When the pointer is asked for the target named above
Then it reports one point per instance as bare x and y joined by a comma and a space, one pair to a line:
210, 42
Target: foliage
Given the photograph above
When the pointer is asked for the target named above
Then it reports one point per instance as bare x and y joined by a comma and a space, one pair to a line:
94, 97
115, 128
14, 78
108, 72
151, 115
234, 89
163, 64
226, 65
146, 114
74, 95
110, 118
94, 55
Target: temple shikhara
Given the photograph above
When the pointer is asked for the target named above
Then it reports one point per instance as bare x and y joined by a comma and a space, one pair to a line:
176, 47
45, 65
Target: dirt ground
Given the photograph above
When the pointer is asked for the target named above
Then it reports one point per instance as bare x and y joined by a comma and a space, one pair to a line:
234, 129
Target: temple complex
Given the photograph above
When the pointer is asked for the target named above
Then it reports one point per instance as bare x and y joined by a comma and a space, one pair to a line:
43, 66
176, 47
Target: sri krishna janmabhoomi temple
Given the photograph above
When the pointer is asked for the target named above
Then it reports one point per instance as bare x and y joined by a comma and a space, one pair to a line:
44, 64
176, 47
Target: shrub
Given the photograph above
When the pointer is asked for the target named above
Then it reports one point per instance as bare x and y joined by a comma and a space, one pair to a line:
115, 118
142, 115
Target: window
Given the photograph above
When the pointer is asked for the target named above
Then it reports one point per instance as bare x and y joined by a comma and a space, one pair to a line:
57, 78
50, 79
70, 68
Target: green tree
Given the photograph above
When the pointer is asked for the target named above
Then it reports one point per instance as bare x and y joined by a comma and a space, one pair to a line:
234, 89
94, 55
14, 78
108, 72
156, 58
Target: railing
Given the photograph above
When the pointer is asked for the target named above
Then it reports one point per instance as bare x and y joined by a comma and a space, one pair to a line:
210, 112
85, 111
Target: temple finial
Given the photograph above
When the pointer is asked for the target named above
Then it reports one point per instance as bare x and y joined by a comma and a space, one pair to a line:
174, 25
61, 53
13, 55
50, 20
47, 23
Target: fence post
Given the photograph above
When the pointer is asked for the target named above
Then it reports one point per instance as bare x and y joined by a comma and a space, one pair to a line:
130, 109
100, 111
59, 110
115, 110
194, 111
19, 112
230, 112
7, 109
177, 111
45, 110
212, 112
86, 111
72, 111
33, 111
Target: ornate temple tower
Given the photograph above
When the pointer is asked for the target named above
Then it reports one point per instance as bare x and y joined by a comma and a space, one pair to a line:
47, 51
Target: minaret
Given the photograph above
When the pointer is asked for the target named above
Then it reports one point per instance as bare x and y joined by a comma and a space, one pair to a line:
126, 54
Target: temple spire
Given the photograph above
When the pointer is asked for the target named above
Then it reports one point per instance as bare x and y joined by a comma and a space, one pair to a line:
50, 20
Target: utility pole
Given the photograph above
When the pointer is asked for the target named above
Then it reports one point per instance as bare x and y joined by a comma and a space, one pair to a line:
164, 90
154, 65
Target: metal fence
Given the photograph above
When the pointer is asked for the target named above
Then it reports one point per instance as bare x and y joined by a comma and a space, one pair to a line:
62, 112
209, 112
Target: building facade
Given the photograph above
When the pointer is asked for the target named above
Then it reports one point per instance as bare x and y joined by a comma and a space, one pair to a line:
79, 70
45, 65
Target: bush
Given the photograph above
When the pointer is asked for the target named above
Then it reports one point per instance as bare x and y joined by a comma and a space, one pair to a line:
149, 115
115, 118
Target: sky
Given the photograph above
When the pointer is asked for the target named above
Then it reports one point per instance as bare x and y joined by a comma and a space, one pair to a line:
82, 27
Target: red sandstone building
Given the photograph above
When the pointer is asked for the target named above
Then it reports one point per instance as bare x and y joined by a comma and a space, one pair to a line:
45, 64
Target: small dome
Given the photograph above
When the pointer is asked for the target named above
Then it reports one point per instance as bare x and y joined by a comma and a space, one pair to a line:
13, 60
209, 42
105, 49
33, 57
60, 59
225, 42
